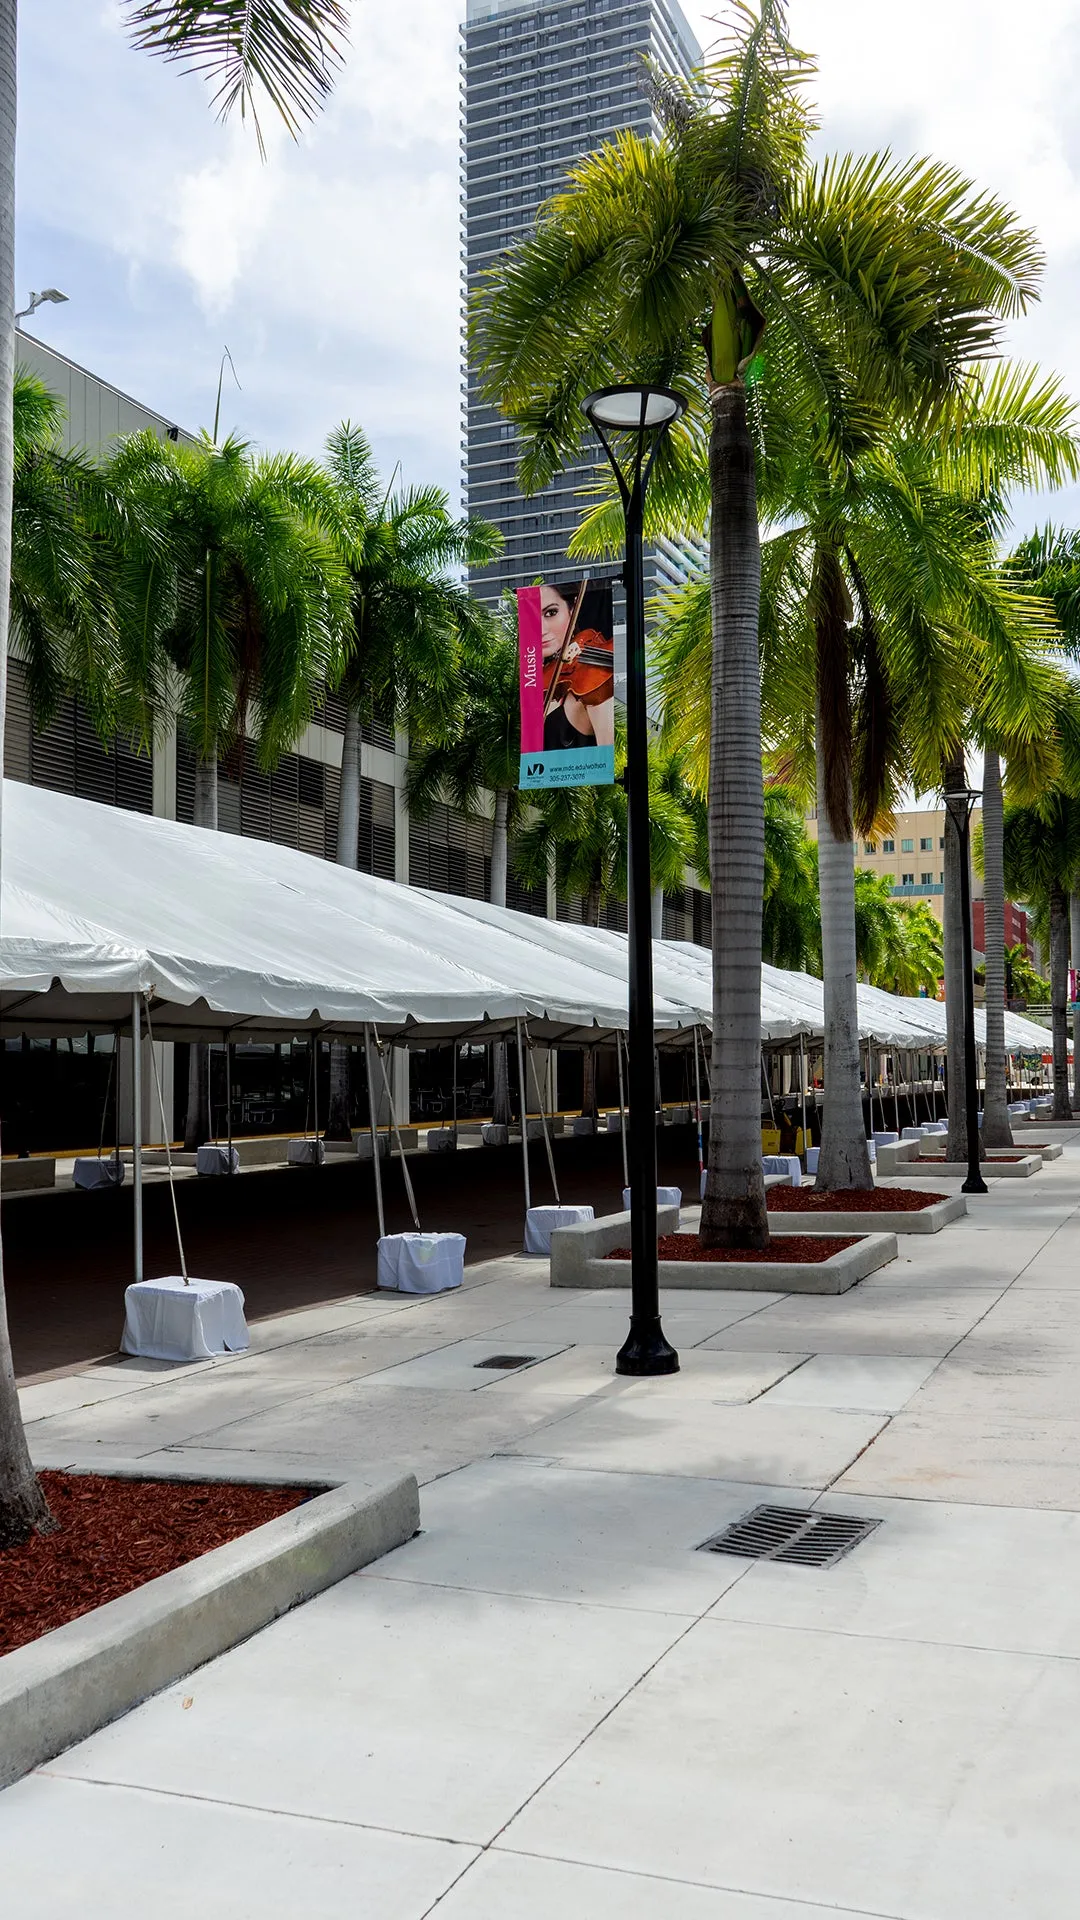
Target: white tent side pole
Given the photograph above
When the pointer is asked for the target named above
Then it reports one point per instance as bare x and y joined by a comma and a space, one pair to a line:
168, 1149
136, 1135
697, 1105
228, 1098
546, 1134
524, 1096
397, 1133
374, 1134
896, 1087
622, 1111
802, 1088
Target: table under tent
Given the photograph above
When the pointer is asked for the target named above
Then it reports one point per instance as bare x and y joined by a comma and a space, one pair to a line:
127, 924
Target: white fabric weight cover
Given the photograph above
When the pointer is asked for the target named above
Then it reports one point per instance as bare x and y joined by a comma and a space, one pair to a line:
665, 1197
540, 1223
306, 1153
166, 1320
421, 1262
783, 1163
212, 1160
89, 1174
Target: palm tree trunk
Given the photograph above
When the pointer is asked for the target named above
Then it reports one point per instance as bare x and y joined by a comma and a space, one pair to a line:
22, 1503
844, 1158
197, 1117
956, 1146
997, 1128
1074, 947
497, 888
1059, 998
339, 1106
733, 1211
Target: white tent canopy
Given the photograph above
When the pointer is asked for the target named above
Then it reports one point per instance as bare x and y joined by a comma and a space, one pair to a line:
247, 938
243, 938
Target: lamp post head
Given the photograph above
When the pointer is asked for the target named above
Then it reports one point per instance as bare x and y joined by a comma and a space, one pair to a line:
638, 417
37, 300
960, 802
633, 409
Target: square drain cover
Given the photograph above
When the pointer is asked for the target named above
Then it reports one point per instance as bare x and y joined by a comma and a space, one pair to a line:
795, 1536
506, 1362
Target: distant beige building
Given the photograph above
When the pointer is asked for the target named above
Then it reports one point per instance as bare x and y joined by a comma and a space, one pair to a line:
911, 856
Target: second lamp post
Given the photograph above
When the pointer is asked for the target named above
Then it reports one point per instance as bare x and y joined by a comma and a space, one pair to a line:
631, 422
958, 805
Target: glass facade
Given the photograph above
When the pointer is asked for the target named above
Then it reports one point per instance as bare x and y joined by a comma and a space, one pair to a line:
541, 86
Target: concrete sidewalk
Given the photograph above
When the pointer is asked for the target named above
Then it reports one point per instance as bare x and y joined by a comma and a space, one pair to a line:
551, 1703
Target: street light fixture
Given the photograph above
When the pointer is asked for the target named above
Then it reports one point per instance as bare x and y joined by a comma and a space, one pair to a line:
630, 423
958, 805
38, 300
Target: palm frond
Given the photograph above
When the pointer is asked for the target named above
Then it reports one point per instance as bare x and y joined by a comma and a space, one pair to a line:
286, 50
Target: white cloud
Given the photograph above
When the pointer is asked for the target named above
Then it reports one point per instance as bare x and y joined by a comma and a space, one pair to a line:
332, 271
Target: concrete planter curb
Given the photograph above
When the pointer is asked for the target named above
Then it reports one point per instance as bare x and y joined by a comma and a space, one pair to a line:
930, 1168
64, 1686
927, 1220
577, 1260
573, 1249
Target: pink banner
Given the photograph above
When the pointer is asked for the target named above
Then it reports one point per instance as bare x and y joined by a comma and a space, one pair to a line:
531, 655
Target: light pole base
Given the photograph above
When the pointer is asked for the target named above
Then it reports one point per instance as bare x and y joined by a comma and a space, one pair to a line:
975, 1184
646, 1350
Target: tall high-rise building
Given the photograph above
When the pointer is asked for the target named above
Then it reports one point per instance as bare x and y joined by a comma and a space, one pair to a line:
543, 84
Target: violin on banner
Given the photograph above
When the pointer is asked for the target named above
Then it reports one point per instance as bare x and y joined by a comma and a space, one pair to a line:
567, 684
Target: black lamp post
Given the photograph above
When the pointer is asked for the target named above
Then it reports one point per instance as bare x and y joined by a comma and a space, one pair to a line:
958, 806
630, 423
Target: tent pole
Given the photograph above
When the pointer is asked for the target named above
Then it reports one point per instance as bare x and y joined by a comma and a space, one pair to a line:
896, 1088
397, 1133
768, 1089
523, 1097
168, 1149
622, 1111
228, 1098
453, 1098
374, 1134
802, 1088
697, 1107
547, 1136
136, 1135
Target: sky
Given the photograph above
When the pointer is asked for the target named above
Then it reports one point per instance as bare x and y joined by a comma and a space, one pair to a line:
331, 272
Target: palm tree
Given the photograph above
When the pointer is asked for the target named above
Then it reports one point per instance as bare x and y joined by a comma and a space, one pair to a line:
884, 625
62, 615
409, 616
287, 50
234, 608
897, 942
1041, 846
409, 619
716, 229
475, 756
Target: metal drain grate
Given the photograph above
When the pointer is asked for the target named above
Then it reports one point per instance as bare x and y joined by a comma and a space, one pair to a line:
794, 1536
506, 1362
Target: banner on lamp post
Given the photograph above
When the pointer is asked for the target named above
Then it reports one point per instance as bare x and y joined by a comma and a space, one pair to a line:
566, 646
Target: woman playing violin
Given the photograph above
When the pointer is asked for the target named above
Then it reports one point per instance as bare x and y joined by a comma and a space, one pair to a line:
579, 673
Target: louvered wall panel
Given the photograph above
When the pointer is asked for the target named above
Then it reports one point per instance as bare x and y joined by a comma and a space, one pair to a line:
17, 728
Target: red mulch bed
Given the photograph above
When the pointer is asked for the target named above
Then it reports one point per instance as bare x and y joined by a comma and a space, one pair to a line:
800, 1249
849, 1200
115, 1535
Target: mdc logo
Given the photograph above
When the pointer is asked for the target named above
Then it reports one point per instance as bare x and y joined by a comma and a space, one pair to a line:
537, 767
